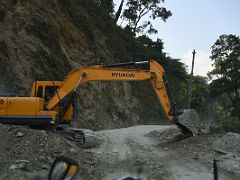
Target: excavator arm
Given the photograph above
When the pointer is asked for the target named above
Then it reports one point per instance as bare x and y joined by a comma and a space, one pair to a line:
116, 72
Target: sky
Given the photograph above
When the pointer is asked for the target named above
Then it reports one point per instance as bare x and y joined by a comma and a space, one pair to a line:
196, 24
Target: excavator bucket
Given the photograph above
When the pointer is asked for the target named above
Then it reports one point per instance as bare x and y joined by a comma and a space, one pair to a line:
189, 122
175, 114
186, 131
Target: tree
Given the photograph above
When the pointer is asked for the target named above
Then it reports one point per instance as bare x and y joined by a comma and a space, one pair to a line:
107, 5
153, 49
226, 58
137, 9
200, 93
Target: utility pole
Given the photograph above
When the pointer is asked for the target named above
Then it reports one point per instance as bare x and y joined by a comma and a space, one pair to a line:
119, 11
190, 82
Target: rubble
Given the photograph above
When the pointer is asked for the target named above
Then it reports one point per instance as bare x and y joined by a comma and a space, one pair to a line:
204, 147
13, 166
19, 134
166, 135
229, 143
25, 151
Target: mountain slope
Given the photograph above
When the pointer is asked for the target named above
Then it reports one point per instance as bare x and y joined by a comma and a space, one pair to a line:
44, 40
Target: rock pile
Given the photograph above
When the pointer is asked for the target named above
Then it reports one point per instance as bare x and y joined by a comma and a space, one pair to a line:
25, 151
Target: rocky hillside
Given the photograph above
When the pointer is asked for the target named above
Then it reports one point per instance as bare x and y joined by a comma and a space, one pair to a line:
44, 40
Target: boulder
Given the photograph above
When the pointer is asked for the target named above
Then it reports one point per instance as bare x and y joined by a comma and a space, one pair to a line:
229, 143
190, 119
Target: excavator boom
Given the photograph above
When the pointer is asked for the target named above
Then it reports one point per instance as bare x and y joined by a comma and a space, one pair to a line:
117, 72
96, 73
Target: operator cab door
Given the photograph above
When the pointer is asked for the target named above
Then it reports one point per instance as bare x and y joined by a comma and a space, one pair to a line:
49, 92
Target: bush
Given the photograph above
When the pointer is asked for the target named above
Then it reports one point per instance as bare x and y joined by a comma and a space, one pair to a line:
232, 125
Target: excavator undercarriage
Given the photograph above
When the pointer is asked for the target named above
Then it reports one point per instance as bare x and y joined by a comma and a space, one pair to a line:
84, 138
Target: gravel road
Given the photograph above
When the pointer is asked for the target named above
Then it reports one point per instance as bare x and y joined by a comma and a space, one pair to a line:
129, 151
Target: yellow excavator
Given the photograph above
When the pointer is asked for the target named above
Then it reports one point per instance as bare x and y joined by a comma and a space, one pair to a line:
53, 102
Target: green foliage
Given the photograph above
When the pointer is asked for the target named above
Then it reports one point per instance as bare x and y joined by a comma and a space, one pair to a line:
232, 125
152, 47
137, 9
107, 5
200, 93
226, 58
222, 111
177, 80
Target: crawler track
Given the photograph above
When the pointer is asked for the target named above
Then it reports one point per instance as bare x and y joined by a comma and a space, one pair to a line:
84, 138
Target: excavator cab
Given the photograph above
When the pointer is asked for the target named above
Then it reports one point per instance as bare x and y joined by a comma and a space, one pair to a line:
46, 90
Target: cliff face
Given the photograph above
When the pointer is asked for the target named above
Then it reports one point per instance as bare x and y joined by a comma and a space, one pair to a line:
44, 40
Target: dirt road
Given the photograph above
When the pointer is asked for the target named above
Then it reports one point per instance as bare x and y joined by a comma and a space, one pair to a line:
128, 151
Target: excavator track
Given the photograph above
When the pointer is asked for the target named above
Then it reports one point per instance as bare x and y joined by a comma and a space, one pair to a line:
84, 138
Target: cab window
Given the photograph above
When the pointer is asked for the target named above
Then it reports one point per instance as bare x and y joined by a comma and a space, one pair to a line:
50, 91
40, 91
